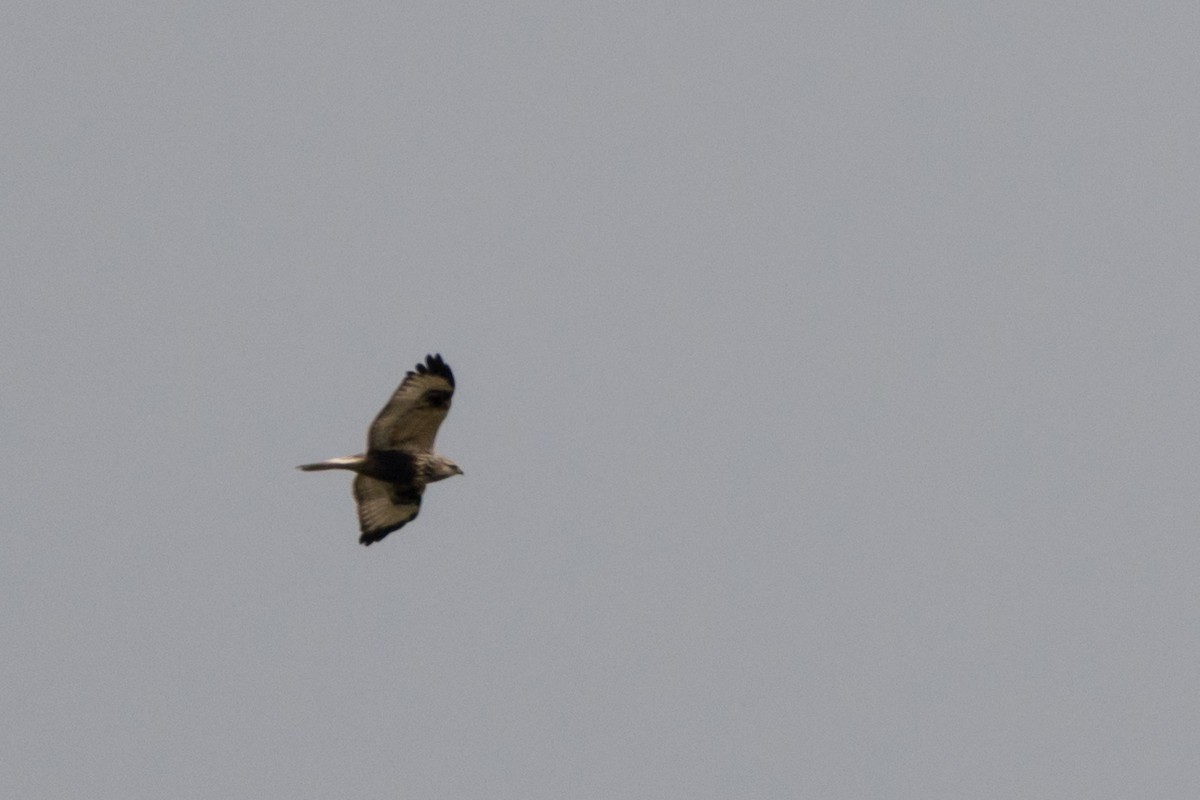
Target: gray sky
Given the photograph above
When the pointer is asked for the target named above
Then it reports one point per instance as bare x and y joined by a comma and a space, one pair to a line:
827, 399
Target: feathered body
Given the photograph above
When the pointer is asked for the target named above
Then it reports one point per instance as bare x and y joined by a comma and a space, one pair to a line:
399, 462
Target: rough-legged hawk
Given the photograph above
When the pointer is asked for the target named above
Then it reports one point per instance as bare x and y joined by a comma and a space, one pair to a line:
400, 461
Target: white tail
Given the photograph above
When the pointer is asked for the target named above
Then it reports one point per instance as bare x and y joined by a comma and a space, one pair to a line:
351, 463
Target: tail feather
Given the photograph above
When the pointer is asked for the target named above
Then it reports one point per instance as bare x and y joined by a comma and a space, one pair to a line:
341, 462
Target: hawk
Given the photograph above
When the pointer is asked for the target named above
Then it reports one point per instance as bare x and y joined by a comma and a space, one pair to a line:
399, 462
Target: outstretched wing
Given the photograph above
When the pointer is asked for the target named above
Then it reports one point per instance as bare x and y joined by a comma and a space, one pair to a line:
384, 507
411, 418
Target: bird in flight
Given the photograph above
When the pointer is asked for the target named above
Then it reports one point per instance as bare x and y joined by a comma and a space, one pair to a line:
399, 462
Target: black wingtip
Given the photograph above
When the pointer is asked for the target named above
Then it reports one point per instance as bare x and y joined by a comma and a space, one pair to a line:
434, 365
369, 538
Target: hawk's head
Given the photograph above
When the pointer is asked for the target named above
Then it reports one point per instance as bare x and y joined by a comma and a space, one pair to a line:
436, 468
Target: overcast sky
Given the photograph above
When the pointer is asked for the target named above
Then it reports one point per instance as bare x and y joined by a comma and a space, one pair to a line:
827, 399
